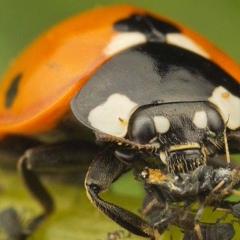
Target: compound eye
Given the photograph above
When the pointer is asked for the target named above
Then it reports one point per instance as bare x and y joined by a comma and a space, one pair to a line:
215, 122
142, 129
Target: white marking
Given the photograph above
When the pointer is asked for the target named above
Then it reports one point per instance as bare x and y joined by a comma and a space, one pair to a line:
229, 106
183, 41
200, 119
123, 41
161, 123
163, 157
112, 116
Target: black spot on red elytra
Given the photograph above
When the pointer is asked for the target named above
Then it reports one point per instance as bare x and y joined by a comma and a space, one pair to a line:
12, 91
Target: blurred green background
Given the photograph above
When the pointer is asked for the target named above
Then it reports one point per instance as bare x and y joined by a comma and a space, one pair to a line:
20, 23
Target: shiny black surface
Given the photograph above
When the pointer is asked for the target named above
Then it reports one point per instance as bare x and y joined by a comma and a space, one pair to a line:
154, 29
153, 73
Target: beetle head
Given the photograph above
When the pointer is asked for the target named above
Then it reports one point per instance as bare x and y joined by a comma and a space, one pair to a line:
183, 133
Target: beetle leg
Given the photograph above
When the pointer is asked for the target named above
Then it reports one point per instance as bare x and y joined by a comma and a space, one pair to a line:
66, 156
69, 156
198, 216
102, 173
38, 191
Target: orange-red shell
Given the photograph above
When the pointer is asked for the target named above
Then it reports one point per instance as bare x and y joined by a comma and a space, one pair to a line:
56, 66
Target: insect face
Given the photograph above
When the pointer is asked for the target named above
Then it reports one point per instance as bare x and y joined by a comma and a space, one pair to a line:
183, 139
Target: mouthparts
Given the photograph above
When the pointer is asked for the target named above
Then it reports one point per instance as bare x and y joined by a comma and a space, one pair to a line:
185, 158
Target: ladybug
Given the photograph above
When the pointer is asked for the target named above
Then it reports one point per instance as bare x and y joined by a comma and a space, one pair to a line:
155, 94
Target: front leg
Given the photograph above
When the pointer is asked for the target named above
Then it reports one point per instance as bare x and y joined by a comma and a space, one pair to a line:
64, 157
102, 173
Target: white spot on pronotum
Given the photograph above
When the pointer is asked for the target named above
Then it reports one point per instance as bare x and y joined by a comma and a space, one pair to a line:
228, 105
183, 41
123, 41
112, 116
200, 119
161, 123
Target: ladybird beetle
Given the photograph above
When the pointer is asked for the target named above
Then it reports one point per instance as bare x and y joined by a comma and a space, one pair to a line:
155, 94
